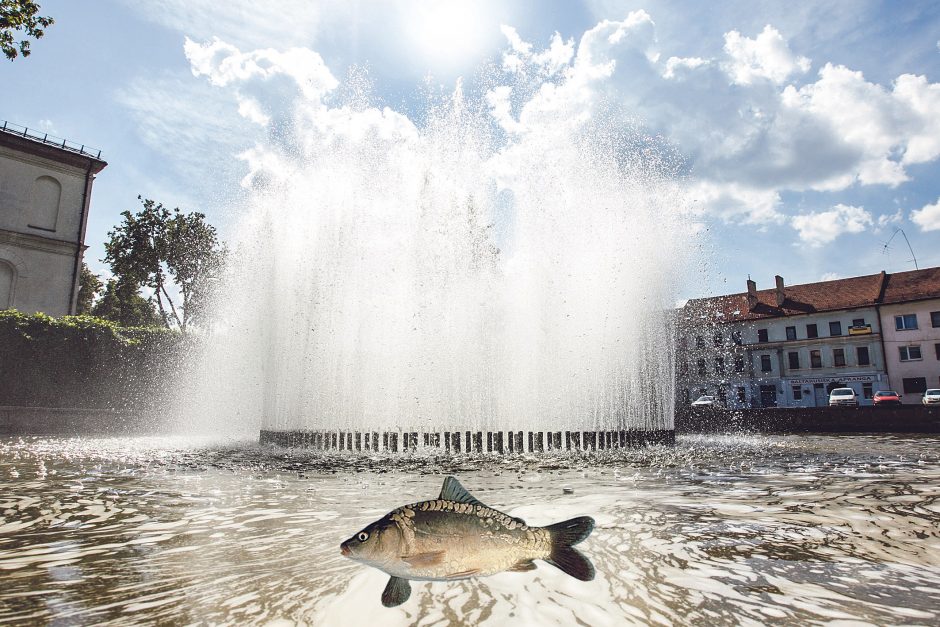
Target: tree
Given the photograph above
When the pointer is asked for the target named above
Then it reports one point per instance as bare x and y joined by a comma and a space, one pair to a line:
89, 287
167, 251
122, 303
20, 16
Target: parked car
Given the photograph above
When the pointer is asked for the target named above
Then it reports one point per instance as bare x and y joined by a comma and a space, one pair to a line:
886, 397
843, 396
931, 397
705, 401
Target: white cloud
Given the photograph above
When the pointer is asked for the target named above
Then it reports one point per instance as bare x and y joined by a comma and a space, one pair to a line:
675, 66
223, 63
890, 218
830, 276
766, 57
751, 136
737, 203
823, 227
927, 217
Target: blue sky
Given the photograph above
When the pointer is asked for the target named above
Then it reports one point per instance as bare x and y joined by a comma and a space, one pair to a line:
812, 130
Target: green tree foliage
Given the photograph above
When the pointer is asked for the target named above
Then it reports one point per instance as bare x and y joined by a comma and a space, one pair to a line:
171, 253
89, 287
20, 16
123, 304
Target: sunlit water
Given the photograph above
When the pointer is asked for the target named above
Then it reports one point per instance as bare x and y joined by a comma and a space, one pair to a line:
718, 530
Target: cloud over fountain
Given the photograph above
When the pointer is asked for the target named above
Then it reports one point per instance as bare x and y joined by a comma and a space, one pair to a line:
501, 262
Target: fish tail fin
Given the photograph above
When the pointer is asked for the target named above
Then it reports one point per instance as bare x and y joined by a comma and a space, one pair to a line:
564, 535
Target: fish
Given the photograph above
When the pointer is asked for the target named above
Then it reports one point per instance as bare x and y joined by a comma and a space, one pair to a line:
455, 537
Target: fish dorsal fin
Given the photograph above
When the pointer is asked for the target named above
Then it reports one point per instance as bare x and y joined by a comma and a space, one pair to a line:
453, 491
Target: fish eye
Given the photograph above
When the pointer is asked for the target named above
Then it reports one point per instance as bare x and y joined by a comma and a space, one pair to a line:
363, 536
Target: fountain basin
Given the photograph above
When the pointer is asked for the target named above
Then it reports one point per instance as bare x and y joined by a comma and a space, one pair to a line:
467, 441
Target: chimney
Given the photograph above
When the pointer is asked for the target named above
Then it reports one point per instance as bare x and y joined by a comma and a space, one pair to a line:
781, 295
751, 294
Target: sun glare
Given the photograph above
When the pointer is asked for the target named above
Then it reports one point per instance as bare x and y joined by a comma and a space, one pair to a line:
449, 33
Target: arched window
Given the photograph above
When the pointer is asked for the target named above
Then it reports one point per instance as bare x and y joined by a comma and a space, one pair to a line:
7, 281
44, 203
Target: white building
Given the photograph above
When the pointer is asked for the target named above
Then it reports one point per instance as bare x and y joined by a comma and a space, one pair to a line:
45, 194
783, 347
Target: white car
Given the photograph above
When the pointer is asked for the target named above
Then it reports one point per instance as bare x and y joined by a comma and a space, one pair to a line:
705, 401
931, 397
843, 396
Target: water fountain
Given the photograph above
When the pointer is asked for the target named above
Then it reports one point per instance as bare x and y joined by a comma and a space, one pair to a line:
492, 275
495, 266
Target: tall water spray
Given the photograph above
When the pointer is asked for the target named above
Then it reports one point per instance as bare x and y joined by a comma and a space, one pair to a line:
500, 262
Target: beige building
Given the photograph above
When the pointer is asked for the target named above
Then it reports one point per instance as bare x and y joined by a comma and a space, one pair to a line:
45, 193
910, 318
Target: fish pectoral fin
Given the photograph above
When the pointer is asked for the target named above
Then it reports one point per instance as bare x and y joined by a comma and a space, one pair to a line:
420, 560
396, 592
521, 567
463, 574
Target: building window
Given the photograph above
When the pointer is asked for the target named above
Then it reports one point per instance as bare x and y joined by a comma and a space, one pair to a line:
935, 319
791, 333
717, 339
44, 199
765, 363
812, 331
862, 354
742, 396
909, 353
815, 359
699, 341
838, 357
905, 322
858, 322
719, 365
794, 358
762, 335
915, 385
835, 328
702, 371
797, 393
866, 390
736, 337
936, 348
739, 364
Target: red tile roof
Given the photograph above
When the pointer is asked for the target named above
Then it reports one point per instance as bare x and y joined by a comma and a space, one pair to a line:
851, 293
914, 285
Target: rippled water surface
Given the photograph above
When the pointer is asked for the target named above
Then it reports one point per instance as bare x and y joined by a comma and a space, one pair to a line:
718, 530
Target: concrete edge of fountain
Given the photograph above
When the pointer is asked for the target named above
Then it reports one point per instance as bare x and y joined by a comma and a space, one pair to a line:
467, 441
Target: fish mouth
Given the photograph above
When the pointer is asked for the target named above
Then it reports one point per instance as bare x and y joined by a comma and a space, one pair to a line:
344, 549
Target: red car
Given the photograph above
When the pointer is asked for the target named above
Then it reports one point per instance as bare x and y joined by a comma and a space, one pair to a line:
887, 397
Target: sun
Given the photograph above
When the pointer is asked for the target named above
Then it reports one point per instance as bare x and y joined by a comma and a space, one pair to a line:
448, 34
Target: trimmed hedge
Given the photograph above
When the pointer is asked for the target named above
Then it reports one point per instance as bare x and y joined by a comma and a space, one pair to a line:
84, 362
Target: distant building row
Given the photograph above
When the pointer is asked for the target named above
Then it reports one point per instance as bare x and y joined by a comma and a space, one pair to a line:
791, 345
45, 193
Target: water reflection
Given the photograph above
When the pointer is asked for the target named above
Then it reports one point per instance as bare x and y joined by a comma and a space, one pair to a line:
719, 530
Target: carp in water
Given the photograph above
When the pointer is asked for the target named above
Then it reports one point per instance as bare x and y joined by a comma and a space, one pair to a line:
455, 536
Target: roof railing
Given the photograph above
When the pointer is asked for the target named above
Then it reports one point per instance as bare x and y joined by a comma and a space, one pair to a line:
46, 138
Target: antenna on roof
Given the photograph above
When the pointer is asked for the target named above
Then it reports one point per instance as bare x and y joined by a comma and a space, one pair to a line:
884, 250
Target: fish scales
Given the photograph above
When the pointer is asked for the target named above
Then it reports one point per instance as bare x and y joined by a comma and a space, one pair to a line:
471, 538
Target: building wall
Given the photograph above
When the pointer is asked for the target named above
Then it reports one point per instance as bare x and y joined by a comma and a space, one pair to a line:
926, 337
742, 365
41, 201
